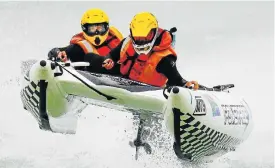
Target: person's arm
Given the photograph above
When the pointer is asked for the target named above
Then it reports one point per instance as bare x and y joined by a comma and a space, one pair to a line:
96, 60
73, 52
167, 66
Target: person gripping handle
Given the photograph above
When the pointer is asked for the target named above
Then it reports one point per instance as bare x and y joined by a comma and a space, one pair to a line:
97, 36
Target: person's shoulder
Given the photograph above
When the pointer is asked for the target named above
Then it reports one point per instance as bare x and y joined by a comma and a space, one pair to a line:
116, 32
76, 38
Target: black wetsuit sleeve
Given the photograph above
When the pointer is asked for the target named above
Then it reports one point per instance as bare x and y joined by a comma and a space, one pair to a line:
74, 52
167, 66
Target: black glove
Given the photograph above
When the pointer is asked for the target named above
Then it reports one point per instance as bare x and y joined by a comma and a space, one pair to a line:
95, 60
52, 55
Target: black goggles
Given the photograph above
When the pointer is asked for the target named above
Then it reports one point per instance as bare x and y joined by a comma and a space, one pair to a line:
95, 29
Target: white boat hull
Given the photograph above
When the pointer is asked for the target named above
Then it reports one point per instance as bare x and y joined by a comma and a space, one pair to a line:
203, 123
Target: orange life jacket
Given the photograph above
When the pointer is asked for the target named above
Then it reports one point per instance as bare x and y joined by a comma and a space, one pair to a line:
112, 41
142, 67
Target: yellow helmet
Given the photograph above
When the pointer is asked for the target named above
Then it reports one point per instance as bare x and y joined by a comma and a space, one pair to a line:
143, 29
95, 26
